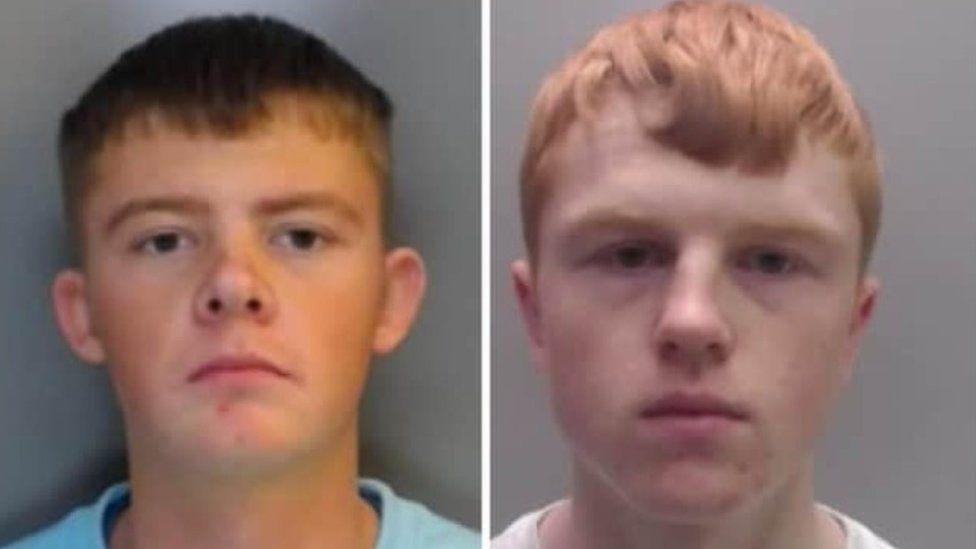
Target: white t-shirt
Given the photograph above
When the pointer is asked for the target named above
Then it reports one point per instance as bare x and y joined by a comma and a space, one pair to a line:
524, 532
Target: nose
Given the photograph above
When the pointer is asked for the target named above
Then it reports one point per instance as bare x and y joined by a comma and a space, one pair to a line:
234, 288
692, 330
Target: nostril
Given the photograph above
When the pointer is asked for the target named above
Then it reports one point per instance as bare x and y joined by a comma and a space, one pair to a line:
253, 305
717, 350
214, 305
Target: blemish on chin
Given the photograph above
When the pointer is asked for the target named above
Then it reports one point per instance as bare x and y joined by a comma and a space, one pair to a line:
223, 408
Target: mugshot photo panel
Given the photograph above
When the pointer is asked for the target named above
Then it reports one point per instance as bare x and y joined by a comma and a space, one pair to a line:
900, 442
420, 416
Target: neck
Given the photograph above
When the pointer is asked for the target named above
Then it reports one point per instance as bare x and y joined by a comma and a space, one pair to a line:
312, 503
595, 516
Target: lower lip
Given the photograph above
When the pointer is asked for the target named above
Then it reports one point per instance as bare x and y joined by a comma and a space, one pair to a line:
241, 375
690, 426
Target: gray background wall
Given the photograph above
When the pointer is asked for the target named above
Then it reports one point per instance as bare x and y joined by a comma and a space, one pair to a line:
901, 451
61, 435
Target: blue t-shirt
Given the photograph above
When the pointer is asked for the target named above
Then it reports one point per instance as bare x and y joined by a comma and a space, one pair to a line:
404, 524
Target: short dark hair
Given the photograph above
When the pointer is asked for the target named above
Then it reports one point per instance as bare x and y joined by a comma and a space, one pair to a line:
218, 75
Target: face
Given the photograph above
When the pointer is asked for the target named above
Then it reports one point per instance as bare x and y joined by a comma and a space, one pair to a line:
695, 323
236, 289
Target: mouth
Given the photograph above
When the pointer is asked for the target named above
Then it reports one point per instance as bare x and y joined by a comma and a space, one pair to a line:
237, 366
680, 406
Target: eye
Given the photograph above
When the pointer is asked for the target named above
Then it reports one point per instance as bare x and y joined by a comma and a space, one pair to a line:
300, 239
635, 256
163, 243
770, 262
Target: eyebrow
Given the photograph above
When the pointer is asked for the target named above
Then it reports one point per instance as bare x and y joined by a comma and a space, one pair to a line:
813, 233
183, 204
607, 219
267, 207
611, 219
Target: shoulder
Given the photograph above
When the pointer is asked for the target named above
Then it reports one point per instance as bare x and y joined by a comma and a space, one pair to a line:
859, 536
523, 532
79, 529
405, 524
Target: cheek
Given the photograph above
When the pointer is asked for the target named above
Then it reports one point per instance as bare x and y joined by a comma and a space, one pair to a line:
330, 319
137, 324
808, 377
584, 321
134, 303
597, 355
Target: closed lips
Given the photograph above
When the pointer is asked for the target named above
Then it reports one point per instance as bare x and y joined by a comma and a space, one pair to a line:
236, 364
693, 405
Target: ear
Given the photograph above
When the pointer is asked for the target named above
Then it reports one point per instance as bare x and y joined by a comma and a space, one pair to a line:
73, 315
527, 294
405, 284
865, 300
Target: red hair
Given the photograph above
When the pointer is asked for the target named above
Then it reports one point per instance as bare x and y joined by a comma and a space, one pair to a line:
724, 83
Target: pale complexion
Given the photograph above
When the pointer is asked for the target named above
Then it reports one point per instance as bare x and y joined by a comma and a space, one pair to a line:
656, 276
265, 247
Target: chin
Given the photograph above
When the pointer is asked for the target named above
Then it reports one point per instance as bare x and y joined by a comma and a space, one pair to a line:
239, 449
702, 508
690, 493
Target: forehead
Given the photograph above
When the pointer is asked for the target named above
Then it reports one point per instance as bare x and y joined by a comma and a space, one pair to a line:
281, 156
609, 167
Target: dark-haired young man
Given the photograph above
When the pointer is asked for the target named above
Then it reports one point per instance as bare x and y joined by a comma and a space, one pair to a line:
224, 184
